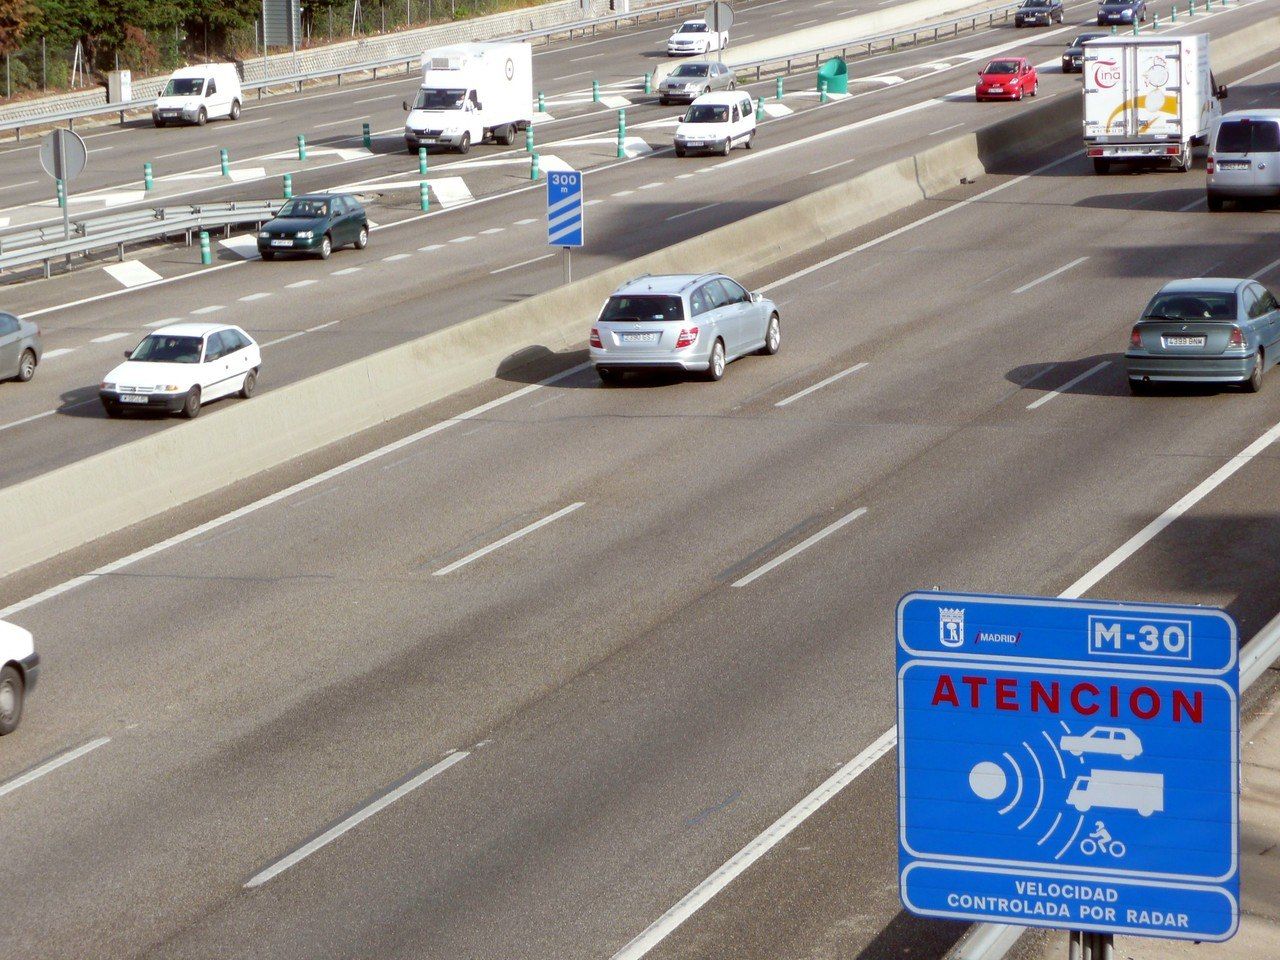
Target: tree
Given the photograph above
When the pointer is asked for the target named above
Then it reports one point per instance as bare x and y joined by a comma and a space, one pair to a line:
15, 17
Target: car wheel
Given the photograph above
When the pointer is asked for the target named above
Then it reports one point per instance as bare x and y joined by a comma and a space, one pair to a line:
235, 110
112, 410
1035, 88
326, 247
680, 151
608, 375
751, 138
772, 337
268, 254
733, 85
1139, 388
11, 691
706, 89
508, 135
158, 123
1254, 383
728, 145
191, 406
664, 101
202, 117
1019, 94
715, 369
464, 145
1101, 166
250, 385
26, 366
362, 238
1215, 204
1143, 18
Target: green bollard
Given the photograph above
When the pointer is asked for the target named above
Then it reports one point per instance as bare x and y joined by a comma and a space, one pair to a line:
595, 91
206, 255
777, 89
1173, 14
622, 134
648, 83
528, 138
1155, 22
422, 161
1114, 29
366, 136
302, 147
533, 167
1135, 28
542, 102
759, 109
224, 162
147, 182
424, 198
62, 194
288, 185
822, 91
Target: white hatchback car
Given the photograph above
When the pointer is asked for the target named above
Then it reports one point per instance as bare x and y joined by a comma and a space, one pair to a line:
716, 122
19, 665
696, 38
180, 367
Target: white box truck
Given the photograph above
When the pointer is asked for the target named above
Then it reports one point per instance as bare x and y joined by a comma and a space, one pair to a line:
1148, 99
471, 92
200, 93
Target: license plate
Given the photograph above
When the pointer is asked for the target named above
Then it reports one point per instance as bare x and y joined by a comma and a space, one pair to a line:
1233, 164
640, 338
1184, 341
693, 143
282, 243
127, 398
995, 90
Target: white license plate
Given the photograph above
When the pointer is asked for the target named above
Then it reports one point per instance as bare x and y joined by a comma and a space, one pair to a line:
127, 398
693, 143
1184, 341
995, 90
1233, 164
640, 338
282, 243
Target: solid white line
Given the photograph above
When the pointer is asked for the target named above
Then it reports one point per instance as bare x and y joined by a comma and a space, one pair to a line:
590, 56
686, 213
335, 123
284, 339
756, 849
48, 767
385, 96
522, 263
34, 416
321, 326
820, 384
21, 183
570, 76
107, 338
60, 352
212, 308
509, 538
254, 296
800, 547
357, 818
286, 493
1051, 274
1034, 404
1265, 270
945, 129
299, 284
179, 153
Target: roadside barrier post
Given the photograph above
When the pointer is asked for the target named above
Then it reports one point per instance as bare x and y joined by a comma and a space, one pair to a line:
622, 134
1173, 14
542, 102
424, 198
822, 91
1191, 8
302, 147
366, 136
595, 91
1114, 29
224, 162
759, 109
422, 161
777, 89
147, 181
62, 194
288, 185
533, 167
206, 255
1135, 28
1155, 21
648, 83
528, 139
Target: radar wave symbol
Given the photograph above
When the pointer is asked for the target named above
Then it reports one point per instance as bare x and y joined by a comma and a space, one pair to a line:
990, 780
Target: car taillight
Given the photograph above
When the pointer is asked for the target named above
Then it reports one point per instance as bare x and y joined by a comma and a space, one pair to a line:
1208, 165
1095, 151
1236, 339
1135, 338
687, 337
1173, 151
595, 338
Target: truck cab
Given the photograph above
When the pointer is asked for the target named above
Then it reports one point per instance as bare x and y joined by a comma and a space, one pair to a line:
471, 93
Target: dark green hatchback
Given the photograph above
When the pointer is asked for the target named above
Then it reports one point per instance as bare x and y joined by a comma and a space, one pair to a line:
317, 224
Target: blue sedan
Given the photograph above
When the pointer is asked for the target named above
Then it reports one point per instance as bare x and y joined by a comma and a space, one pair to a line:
1205, 330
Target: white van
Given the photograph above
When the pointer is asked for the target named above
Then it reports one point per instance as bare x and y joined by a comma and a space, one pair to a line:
471, 92
1244, 158
200, 93
19, 664
716, 122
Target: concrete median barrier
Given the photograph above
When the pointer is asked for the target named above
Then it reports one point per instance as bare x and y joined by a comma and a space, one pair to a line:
73, 505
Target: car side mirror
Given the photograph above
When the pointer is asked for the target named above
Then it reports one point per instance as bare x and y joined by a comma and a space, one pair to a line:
757, 297
1222, 92
404, 104
128, 354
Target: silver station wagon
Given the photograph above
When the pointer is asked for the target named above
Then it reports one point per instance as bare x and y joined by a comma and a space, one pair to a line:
1205, 330
691, 322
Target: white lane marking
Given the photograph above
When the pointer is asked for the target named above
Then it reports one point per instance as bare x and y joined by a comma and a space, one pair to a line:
945, 129
820, 384
1192, 205
20, 183
385, 96
211, 308
800, 547
179, 153
677, 216
1051, 274
509, 538
685, 176
451, 191
335, 123
49, 766
463, 239
1068, 385
34, 416
285, 338
131, 273
249, 298
1265, 270
107, 338
321, 326
298, 284
592, 203
396, 256
653, 186
622, 193
357, 818
60, 352
757, 848
492, 230
245, 246
832, 166
522, 263
429, 247
345, 271
163, 323
526, 221
590, 56
299, 487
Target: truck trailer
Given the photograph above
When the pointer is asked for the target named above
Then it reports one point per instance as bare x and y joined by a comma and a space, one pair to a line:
470, 93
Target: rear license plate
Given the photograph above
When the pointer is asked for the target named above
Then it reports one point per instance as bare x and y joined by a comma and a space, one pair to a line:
1233, 164
639, 338
132, 399
282, 243
1184, 341
693, 143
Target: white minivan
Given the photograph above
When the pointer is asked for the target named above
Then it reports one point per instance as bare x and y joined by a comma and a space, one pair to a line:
198, 94
716, 122
1244, 158
19, 665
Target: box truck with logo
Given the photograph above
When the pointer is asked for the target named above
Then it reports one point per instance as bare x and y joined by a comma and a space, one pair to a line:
1148, 99
471, 92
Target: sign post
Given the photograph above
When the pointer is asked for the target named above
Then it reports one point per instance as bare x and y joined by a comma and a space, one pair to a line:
564, 214
1070, 764
720, 16
63, 156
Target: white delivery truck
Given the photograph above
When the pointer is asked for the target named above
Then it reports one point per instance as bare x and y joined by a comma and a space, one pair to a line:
196, 94
1148, 99
471, 92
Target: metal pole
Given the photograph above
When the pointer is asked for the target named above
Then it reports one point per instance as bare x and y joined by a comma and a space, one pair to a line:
568, 264
60, 154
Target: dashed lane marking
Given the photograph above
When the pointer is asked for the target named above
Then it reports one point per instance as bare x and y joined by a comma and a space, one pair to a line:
108, 337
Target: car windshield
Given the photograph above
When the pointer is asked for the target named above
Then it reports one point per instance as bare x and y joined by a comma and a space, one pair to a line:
183, 87
1034, 3
165, 348
1191, 305
440, 99
693, 28
1248, 136
691, 70
642, 308
304, 208
1001, 67
707, 113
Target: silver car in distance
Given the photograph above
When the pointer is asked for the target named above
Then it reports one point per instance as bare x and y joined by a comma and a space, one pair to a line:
689, 322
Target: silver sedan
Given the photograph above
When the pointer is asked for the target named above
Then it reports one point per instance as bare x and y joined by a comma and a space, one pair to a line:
691, 80
20, 348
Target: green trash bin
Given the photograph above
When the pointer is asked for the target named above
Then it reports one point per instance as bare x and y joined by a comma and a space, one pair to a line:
836, 72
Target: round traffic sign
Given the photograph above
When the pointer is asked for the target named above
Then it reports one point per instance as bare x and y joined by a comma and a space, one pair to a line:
720, 16
63, 155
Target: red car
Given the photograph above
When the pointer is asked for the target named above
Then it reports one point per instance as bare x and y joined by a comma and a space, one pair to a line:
1009, 78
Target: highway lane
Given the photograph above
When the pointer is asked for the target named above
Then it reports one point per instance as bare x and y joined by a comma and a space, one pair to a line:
56, 418
631, 718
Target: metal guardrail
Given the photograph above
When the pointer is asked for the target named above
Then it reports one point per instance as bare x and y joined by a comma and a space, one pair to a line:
117, 230
408, 61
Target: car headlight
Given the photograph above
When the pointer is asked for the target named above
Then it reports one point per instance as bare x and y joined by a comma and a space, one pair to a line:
304, 234
263, 234
168, 388
106, 385
1127, 14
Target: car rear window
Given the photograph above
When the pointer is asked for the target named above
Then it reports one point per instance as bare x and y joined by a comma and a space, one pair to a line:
643, 308
1193, 306
1249, 136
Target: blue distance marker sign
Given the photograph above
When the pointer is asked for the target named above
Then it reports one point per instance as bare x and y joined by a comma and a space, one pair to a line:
1069, 763
564, 208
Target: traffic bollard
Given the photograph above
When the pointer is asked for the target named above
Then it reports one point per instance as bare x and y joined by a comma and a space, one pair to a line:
422, 161
777, 89
206, 255
1155, 22
224, 162
542, 102
622, 134
302, 147
595, 91
62, 194
648, 83
533, 167
822, 91
1173, 14
759, 109
528, 139
1135, 28
424, 198
147, 182
1191, 8
1114, 29
288, 185
366, 136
